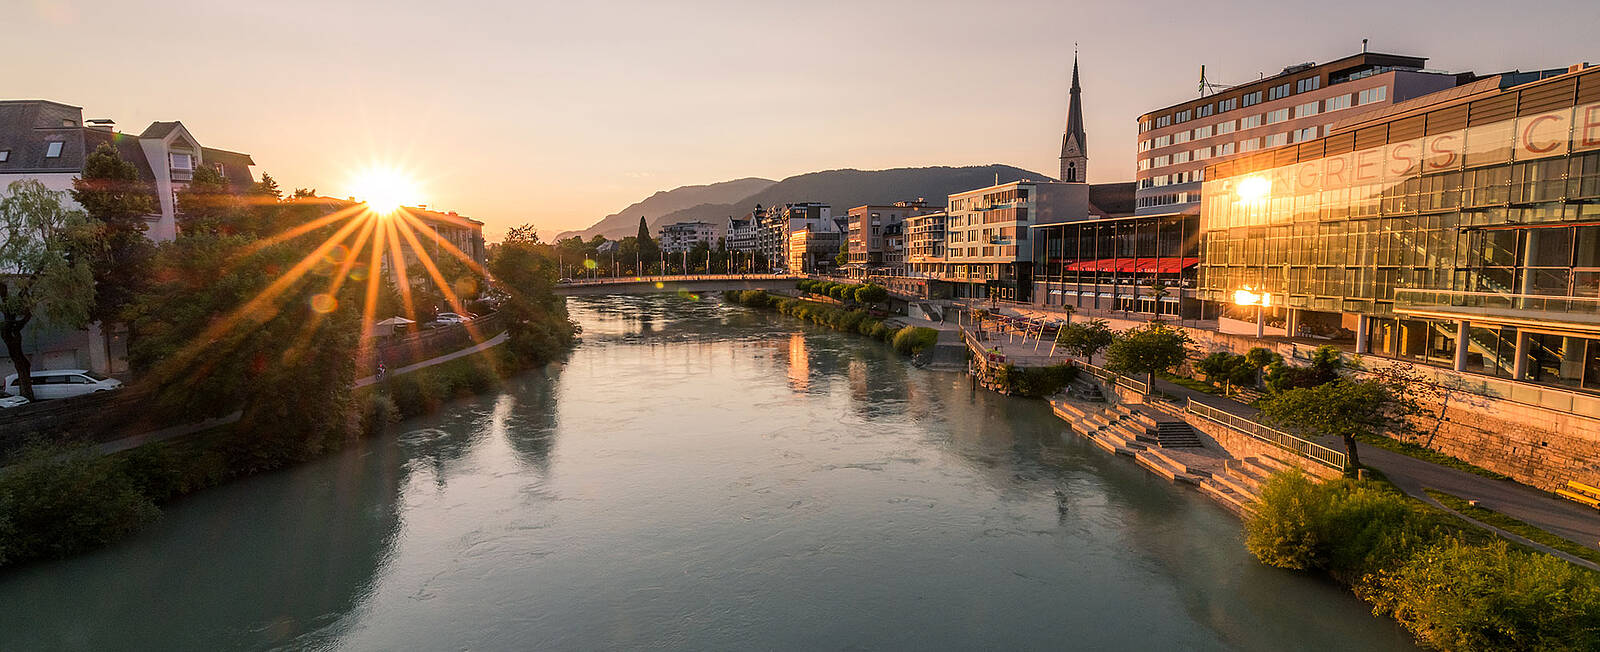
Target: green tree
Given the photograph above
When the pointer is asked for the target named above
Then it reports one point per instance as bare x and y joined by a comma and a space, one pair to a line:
844, 253
208, 205
1343, 408
1084, 339
871, 293
1148, 349
118, 201
649, 251
536, 320
267, 187
41, 276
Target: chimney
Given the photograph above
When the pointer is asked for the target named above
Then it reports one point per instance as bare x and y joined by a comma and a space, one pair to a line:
101, 124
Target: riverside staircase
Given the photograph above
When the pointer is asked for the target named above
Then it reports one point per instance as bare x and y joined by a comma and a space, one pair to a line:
1171, 449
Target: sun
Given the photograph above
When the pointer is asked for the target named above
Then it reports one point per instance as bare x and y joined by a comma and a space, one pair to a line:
384, 189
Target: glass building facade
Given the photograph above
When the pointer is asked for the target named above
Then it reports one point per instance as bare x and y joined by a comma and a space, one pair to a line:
1460, 229
1113, 264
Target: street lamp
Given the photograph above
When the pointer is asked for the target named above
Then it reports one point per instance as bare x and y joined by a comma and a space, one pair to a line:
1247, 296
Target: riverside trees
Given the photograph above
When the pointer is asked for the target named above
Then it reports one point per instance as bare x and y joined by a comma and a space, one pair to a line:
1148, 349
39, 273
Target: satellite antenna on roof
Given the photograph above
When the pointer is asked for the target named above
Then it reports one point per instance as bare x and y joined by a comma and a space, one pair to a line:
1363, 46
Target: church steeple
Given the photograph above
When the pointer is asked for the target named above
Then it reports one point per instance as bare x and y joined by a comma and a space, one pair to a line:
1074, 144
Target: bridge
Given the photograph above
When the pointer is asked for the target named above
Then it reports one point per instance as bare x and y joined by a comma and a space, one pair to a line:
696, 283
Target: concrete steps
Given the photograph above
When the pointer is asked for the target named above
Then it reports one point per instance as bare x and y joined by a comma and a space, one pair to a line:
1171, 469
1177, 434
1232, 500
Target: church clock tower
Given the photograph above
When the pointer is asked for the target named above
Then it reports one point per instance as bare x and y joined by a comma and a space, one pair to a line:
1074, 145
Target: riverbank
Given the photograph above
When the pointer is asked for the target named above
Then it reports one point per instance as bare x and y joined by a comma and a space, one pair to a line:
57, 502
908, 340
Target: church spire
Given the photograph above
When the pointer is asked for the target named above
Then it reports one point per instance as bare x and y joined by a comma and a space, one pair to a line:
1074, 143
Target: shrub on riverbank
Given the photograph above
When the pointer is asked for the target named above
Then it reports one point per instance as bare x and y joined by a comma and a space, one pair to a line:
854, 320
1454, 587
53, 506
1034, 383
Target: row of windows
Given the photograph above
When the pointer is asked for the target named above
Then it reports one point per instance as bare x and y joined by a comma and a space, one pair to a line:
1277, 92
1167, 199
1225, 149
1308, 109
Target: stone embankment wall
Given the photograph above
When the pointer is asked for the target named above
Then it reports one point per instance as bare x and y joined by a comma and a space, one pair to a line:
1535, 446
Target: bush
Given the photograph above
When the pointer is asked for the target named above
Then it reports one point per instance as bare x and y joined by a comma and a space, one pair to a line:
51, 506
804, 285
1035, 383
912, 340
1454, 587
755, 298
871, 293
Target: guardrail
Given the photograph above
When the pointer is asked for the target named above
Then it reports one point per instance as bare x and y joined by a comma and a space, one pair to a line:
1422, 299
612, 280
1115, 378
1304, 448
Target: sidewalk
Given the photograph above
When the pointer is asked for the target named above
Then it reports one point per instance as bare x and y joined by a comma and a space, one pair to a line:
1562, 518
481, 346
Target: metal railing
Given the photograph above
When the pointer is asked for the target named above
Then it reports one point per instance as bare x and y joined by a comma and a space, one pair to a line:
1423, 298
1304, 448
612, 280
1115, 378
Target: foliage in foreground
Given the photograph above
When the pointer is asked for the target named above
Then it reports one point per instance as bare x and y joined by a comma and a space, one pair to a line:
1453, 587
909, 340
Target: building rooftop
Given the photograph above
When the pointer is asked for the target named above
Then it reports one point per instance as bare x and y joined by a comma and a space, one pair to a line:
1332, 68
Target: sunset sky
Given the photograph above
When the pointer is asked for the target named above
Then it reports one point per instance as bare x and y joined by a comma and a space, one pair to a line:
561, 113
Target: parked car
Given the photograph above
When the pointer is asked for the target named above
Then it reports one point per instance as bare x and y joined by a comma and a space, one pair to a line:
12, 401
452, 318
63, 383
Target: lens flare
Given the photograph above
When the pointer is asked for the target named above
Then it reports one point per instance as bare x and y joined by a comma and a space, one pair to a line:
384, 189
324, 303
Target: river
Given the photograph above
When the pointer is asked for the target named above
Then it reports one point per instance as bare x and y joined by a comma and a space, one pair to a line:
696, 477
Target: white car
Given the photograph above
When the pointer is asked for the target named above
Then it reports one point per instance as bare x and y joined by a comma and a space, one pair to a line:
452, 318
12, 401
63, 383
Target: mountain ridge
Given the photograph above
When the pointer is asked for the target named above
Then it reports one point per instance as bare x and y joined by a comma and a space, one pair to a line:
843, 189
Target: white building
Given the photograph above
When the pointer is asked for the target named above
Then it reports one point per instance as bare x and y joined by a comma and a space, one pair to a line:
683, 236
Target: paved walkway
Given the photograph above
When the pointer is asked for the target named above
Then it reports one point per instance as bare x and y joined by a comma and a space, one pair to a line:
481, 346
1560, 517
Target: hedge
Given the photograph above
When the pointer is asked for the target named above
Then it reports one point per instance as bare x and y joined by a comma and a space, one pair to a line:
1453, 586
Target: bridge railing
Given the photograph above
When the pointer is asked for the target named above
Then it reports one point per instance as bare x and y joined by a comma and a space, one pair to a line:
615, 280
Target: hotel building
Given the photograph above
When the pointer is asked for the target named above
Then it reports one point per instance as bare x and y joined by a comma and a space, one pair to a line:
1297, 105
1459, 229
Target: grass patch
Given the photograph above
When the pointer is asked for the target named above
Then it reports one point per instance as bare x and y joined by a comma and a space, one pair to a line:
1515, 526
1426, 454
1190, 383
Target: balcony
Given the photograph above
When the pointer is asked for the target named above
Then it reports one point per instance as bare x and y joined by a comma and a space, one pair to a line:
1579, 314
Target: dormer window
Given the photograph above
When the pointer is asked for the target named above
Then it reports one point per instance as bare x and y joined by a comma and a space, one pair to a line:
53, 149
182, 161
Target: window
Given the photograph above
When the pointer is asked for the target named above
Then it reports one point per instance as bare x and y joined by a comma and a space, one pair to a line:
1180, 137
1225, 149
1304, 135
1161, 161
1307, 109
1201, 154
1144, 126
218, 168
1163, 121
1225, 127
1144, 164
1277, 140
1307, 84
1163, 141
1340, 102
68, 123
1277, 116
1203, 111
1252, 99
1144, 145
1227, 105
1278, 92
1250, 122
1250, 145
1182, 116
5, 155
1372, 95
1180, 157
182, 161
53, 149
1202, 132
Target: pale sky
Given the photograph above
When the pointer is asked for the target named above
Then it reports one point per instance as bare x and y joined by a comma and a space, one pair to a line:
558, 114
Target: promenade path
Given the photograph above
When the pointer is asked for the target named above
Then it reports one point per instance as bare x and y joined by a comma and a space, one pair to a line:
1562, 518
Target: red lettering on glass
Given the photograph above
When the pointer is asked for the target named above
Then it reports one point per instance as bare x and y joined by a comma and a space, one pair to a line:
1527, 136
1433, 148
1363, 165
1401, 162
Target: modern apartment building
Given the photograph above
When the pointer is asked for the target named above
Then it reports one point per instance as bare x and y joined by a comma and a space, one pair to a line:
867, 227
813, 248
1459, 229
778, 223
49, 142
1300, 104
987, 251
682, 236
924, 237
